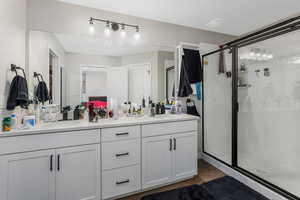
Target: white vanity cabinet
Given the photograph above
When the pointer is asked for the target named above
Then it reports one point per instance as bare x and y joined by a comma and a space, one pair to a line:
27, 176
157, 161
77, 174
121, 161
169, 152
60, 173
106, 161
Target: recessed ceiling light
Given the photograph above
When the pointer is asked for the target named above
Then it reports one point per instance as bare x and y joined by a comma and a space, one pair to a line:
214, 23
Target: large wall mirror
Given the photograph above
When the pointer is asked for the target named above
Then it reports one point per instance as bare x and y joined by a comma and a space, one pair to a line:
79, 68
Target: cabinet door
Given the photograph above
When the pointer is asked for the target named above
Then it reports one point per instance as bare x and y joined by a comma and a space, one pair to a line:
156, 161
185, 155
78, 173
27, 176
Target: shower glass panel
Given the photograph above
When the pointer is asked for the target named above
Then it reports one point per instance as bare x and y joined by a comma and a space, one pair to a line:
269, 110
217, 91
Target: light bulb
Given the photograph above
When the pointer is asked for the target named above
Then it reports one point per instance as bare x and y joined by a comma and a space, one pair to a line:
92, 28
137, 34
270, 56
107, 29
123, 32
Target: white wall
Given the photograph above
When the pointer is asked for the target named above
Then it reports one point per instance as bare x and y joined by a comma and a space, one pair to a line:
40, 44
73, 64
12, 40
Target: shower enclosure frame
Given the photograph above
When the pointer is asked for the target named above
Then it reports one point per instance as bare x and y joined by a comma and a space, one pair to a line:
273, 31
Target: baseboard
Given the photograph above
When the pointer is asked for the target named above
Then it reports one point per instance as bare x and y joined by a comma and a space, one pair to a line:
244, 179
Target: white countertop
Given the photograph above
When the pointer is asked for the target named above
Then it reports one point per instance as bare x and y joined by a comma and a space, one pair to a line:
104, 123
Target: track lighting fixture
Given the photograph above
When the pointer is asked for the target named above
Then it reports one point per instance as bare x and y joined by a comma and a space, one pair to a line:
115, 26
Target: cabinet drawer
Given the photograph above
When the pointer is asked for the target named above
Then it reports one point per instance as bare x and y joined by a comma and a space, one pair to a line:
120, 154
120, 181
169, 128
120, 133
26, 143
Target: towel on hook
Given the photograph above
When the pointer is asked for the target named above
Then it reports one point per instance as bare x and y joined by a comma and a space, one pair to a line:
42, 93
18, 93
193, 66
185, 88
199, 90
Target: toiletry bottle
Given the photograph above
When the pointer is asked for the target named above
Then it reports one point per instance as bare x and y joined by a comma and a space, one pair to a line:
173, 108
157, 108
91, 113
152, 110
149, 102
6, 124
14, 121
162, 108
86, 115
143, 103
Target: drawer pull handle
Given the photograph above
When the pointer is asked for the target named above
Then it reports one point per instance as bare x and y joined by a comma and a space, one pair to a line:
122, 154
170, 145
121, 134
122, 182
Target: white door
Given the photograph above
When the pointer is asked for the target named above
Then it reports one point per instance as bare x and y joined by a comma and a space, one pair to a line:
78, 173
185, 155
139, 82
27, 176
156, 161
118, 84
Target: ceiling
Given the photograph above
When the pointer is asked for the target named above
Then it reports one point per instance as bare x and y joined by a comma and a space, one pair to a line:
235, 17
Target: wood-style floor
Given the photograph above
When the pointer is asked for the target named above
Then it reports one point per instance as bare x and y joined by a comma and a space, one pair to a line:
206, 173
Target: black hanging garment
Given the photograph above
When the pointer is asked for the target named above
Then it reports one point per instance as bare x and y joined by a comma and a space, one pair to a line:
192, 61
191, 107
18, 93
185, 88
42, 93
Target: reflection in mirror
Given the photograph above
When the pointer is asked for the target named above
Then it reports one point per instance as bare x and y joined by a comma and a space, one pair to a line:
79, 68
170, 82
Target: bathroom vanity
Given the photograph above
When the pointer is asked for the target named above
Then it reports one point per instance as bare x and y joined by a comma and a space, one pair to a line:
92, 161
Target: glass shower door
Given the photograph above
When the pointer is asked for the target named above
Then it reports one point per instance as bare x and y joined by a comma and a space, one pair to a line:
217, 107
269, 110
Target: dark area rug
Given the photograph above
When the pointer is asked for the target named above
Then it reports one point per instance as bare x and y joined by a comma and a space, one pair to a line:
225, 188
194, 192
